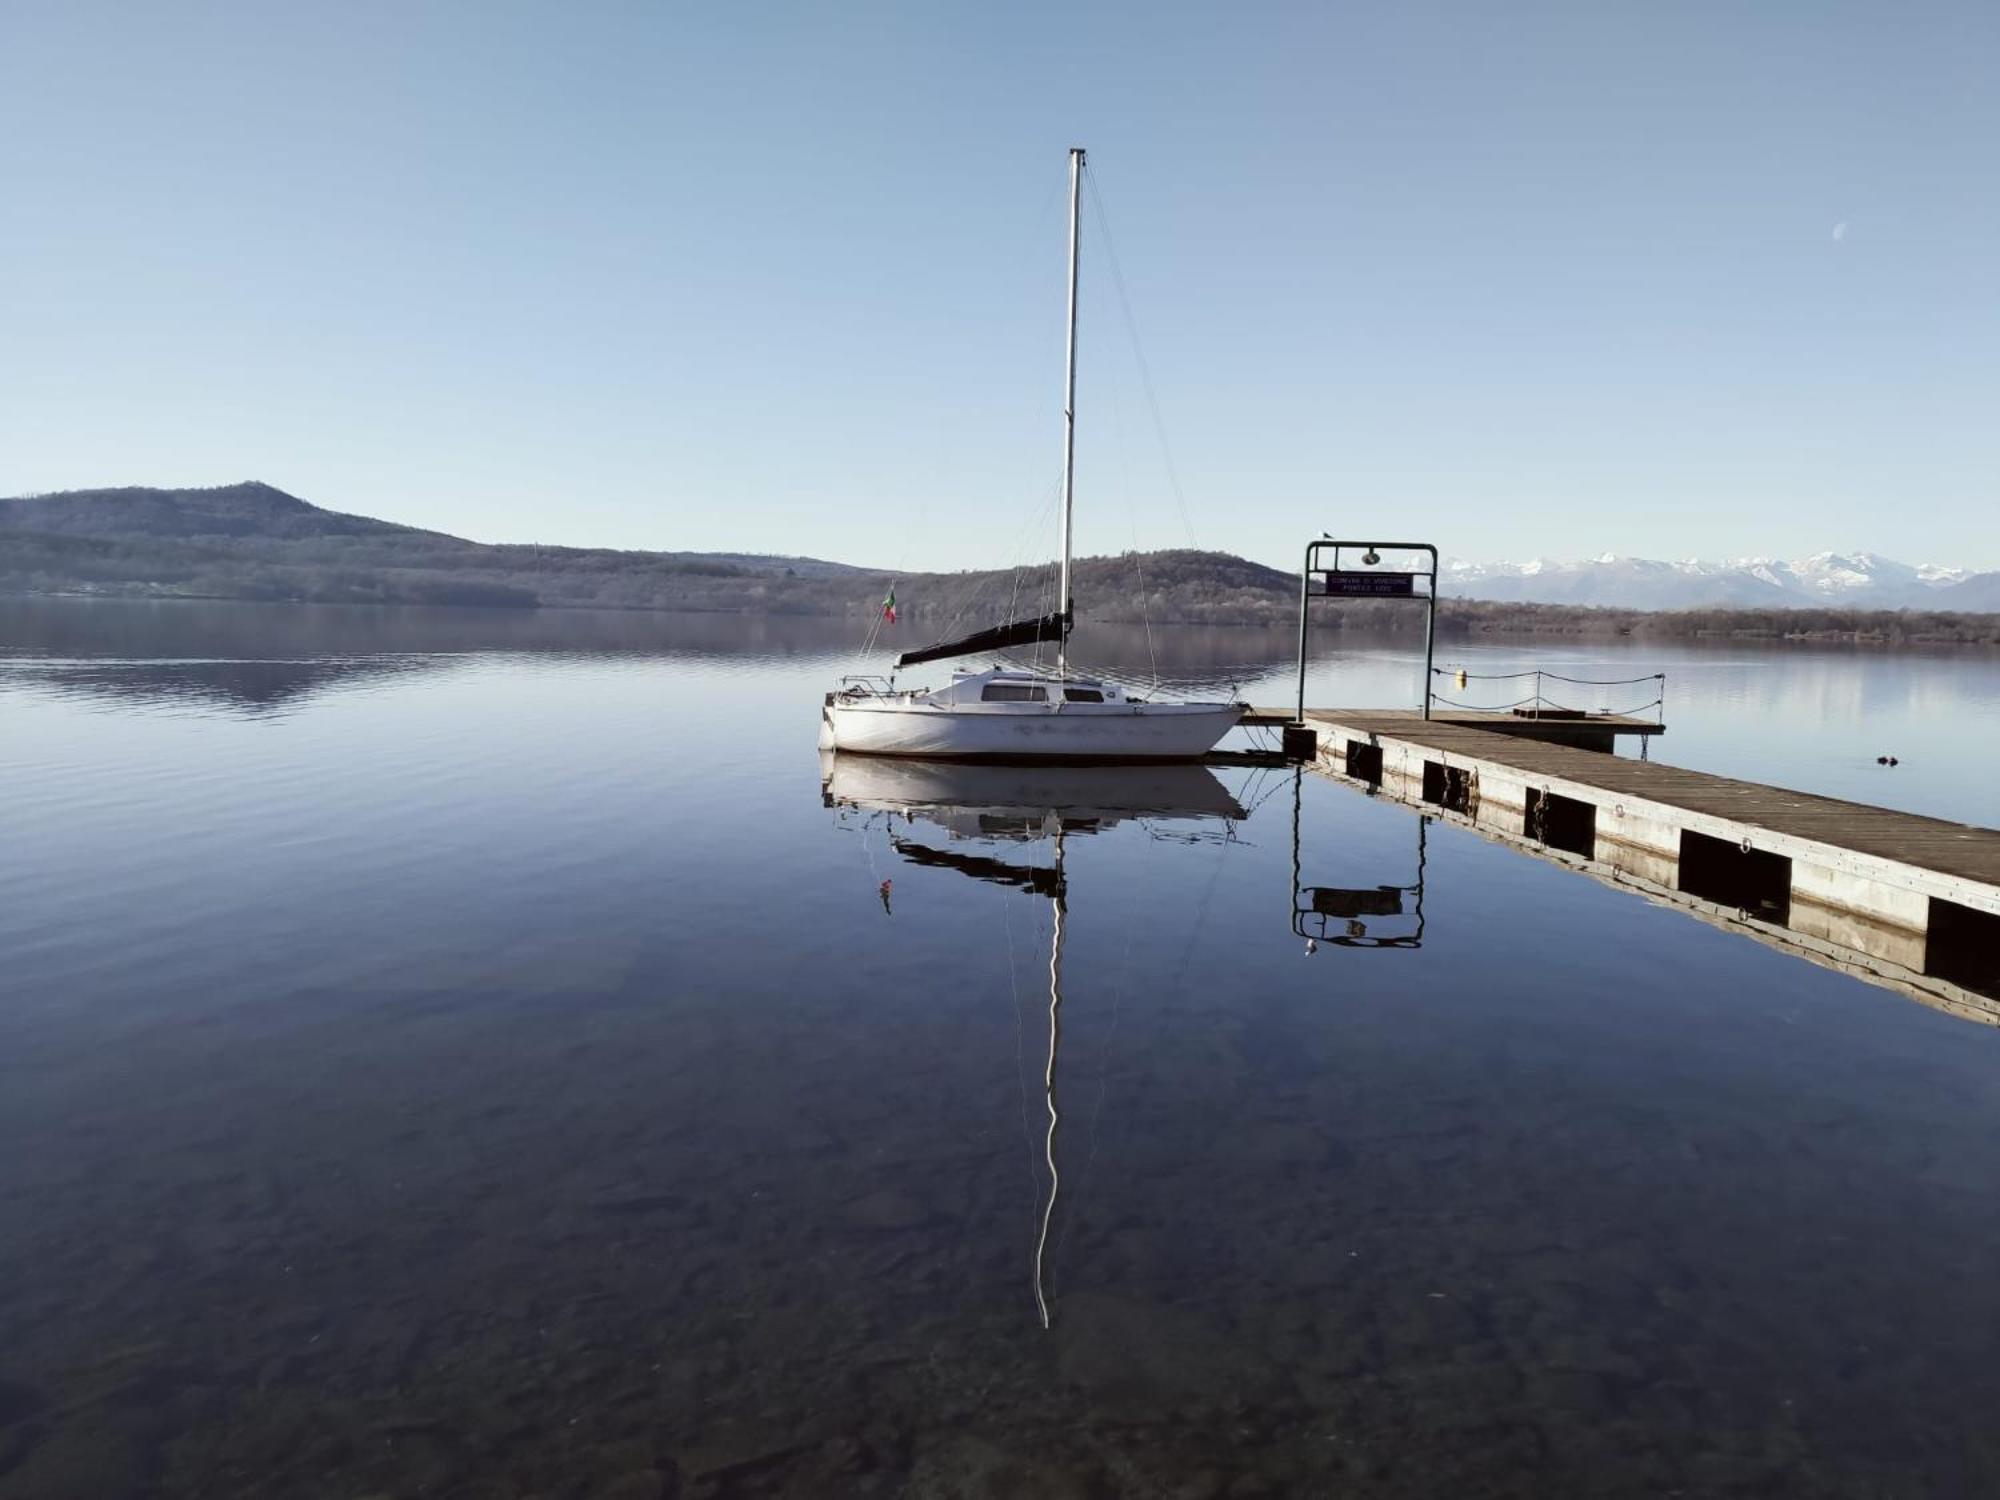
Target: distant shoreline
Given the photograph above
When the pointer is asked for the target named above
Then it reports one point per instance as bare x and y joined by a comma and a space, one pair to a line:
253, 543
1459, 620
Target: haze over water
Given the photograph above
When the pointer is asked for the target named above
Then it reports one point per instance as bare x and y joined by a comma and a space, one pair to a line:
460, 1053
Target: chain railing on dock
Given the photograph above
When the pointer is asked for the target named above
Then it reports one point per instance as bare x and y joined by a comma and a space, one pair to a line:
1539, 700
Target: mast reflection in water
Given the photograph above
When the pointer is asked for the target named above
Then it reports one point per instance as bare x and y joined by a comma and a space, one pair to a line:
1020, 805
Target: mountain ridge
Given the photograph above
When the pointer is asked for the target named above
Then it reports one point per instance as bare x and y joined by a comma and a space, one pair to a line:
252, 540
1859, 579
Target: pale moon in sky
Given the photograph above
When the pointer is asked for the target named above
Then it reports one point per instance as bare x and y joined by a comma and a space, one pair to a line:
1840, 230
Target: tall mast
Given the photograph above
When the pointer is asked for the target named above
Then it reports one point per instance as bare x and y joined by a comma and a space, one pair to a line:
1069, 408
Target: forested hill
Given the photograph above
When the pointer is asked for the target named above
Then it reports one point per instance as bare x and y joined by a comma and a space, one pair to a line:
255, 542
232, 510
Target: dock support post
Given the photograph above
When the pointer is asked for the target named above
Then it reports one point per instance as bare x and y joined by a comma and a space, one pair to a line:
1430, 638
1305, 598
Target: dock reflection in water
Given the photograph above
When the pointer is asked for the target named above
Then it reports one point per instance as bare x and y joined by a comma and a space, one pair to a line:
1545, 836
1353, 916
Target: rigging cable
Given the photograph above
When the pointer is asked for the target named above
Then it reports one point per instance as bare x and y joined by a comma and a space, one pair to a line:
1139, 355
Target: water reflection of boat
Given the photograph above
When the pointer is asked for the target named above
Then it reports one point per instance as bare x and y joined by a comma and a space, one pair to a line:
979, 800
1012, 805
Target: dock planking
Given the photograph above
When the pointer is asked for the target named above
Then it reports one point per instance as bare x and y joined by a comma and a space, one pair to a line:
1898, 898
1491, 720
1592, 731
1961, 850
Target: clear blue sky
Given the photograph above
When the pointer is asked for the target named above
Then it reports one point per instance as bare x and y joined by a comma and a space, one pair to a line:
1524, 279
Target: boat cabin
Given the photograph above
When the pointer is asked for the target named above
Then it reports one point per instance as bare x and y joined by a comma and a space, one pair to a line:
1001, 685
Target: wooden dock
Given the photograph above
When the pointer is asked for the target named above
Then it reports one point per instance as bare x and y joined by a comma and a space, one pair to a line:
1916, 892
1585, 730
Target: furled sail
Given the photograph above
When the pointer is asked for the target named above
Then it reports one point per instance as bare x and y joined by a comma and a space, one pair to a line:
999, 638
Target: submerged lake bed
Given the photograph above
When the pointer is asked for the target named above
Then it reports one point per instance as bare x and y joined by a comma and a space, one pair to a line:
451, 1054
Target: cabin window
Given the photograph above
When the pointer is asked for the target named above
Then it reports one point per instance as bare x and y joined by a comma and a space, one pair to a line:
1012, 692
1082, 695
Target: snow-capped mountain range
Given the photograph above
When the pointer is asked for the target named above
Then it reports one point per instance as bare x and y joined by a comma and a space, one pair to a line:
1852, 580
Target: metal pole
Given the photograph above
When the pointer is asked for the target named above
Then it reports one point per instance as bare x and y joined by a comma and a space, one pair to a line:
1069, 408
1305, 586
1430, 635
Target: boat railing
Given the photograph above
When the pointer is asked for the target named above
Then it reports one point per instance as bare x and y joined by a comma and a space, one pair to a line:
867, 685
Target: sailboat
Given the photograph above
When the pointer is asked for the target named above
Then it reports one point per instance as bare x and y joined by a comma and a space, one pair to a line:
1024, 715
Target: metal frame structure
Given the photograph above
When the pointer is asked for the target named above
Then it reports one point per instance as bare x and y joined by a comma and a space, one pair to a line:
1310, 921
1306, 596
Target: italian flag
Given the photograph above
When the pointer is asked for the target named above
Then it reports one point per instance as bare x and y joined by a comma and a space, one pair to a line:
889, 607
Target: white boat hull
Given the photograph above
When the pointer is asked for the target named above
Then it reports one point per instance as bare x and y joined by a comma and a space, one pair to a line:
1028, 732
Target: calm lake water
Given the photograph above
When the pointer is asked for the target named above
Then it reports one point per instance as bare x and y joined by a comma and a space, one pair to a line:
459, 1054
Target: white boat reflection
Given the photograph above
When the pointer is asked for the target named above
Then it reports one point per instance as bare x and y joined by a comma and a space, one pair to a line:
986, 801
1022, 804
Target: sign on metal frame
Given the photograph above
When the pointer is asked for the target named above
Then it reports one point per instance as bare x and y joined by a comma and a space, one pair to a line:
1348, 584
1366, 582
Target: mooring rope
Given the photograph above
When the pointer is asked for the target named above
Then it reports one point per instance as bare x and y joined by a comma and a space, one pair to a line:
1540, 700
1550, 676
1485, 708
